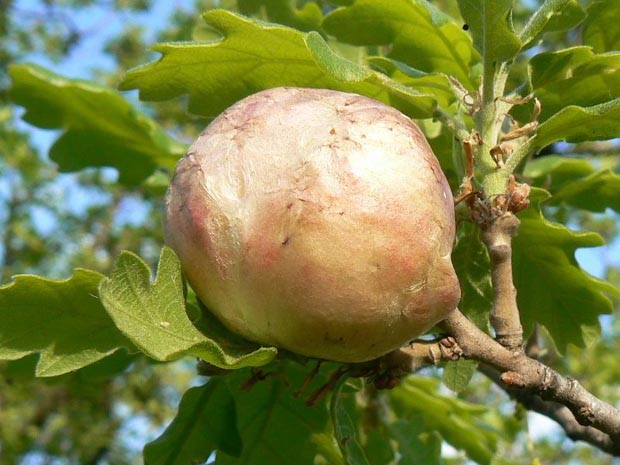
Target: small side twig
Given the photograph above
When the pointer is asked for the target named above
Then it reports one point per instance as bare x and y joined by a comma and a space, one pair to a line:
423, 353
387, 371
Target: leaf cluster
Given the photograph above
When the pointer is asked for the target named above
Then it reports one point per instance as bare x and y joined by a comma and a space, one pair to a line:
412, 55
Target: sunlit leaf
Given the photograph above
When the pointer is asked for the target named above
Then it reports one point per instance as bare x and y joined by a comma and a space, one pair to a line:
253, 56
574, 76
552, 16
597, 192
579, 124
62, 320
205, 422
561, 169
433, 84
418, 34
576, 182
490, 23
552, 290
154, 317
601, 29
99, 127
458, 422
308, 17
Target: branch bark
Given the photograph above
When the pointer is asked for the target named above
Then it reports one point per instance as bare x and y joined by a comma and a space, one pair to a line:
557, 412
534, 379
497, 236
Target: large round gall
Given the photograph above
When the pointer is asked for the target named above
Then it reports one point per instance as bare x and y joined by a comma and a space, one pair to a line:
316, 221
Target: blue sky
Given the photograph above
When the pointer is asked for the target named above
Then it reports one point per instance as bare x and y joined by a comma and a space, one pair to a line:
99, 25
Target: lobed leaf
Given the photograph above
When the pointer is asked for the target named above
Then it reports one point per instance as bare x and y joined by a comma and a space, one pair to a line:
553, 291
62, 320
574, 76
418, 34
579, 124
552, 16
435, 84
601, 29
560, 168
205, 422
597, 192
253, 56
490, 23
99, 127
575, 182
278, 428
457, 421
308, 17
153, 315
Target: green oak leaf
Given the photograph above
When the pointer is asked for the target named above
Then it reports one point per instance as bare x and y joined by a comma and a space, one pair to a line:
574, 76
490, 23
457, 421
458, 374
435, 84
415, 444
277, 427
471, 262
576, 182
379, 445
559, 168
62, 320
601, 29
552, 16
205, 422
579, 124
253, 56
553, 291
419, 35
308, 17
154, 317
346, 429
99, 127
597, 192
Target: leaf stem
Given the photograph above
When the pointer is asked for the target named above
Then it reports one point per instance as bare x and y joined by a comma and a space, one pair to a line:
521, 153
493, 113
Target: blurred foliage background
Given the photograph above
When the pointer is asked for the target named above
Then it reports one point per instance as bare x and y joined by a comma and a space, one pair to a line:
52, 222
